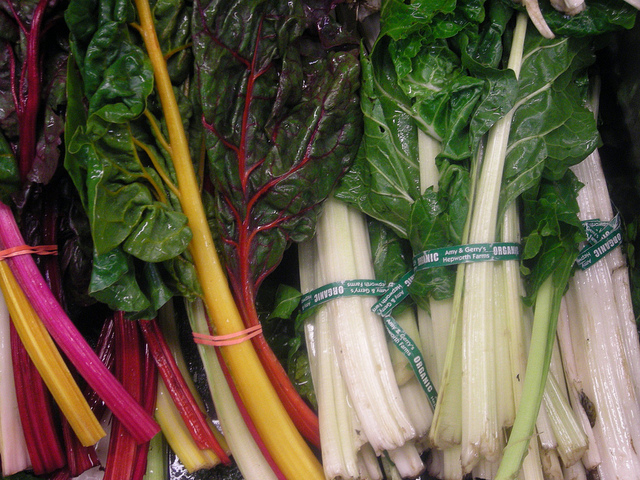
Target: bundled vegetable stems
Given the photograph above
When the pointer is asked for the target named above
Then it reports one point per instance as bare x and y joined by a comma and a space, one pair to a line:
361, 406
286, 445
599, 342
13, 447
481, 428
283, 126
485, 419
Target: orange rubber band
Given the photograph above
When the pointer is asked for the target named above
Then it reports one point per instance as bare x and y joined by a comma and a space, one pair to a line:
28, 250
229, 339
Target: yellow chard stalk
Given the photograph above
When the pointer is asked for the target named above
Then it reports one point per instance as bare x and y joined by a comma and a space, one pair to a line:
287, 447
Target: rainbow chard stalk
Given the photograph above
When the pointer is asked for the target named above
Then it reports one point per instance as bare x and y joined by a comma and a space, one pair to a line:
42, 211
43, 443
27, 89
67, 336
194, 418
34, 60
131, 363
293, 132
157, 242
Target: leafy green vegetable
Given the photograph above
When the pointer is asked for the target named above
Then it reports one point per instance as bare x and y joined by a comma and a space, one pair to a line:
552, 229
118, 158
419, 83
601, 16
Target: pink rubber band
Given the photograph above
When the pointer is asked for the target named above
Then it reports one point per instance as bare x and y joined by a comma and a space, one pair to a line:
229, 339
28, 250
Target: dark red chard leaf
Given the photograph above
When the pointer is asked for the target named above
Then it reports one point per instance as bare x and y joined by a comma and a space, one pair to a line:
33, 61
283, 123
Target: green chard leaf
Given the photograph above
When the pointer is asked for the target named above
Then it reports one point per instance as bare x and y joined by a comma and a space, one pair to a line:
600, 17
391, 254
552, 232
552, 128
117, 157
282, 124
384, 180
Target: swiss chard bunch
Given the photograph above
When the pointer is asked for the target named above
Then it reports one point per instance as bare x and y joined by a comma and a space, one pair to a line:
279, 90
282, 127
118, 155
424, 81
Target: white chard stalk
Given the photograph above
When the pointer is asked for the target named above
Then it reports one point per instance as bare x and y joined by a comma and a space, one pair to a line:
480, 428
13, 447
591, 457
340, 432
603, 344
356, 336
434, 327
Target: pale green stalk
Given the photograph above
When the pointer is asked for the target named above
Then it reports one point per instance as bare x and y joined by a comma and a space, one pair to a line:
524, 424
246, 453
452, 466
571, 440
546, 437
446, 429
532, 465
518, 332
512, 289
442, 323
406, 460
505, 404
436, 322
574, 374
157, 468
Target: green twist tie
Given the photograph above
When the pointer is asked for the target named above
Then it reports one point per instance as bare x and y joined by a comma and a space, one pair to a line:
477, 252
602, 238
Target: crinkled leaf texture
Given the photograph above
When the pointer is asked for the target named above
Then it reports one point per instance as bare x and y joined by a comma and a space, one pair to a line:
139, 231
416, 82
552, 128
552, 230
282, 123
384, 181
